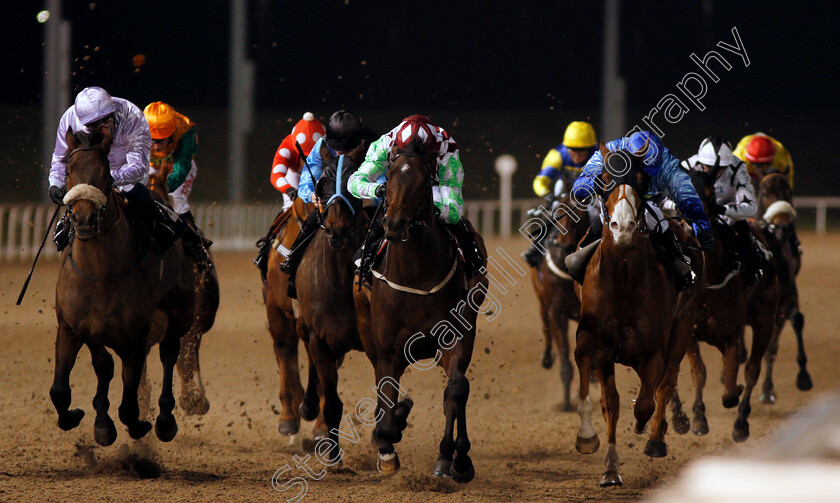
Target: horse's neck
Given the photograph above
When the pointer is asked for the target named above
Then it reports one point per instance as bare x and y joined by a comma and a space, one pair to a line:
108, 251
419, 256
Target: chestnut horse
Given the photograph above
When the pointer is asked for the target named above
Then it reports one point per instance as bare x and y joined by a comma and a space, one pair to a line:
555, 290
415, 309
778, 218
728, 304
631, 314
107, 295
193, 397
327, 319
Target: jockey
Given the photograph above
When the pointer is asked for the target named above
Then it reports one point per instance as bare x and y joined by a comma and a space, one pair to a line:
561, 167
765, 155
95, 110
667, 179
345, 132
446, 191
735, 199
173, 148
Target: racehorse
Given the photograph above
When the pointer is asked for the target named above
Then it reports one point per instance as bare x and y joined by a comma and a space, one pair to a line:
630, 313
728, 304
193, 397
327, 320
106, 296
555, 290
777, 224
417, 308
282, 324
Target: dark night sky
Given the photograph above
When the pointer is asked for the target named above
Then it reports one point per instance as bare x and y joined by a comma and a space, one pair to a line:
463, 57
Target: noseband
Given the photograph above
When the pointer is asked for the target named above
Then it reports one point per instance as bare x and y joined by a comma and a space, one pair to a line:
100, 212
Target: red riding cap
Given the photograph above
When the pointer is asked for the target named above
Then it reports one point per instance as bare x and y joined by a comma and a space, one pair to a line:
760, 149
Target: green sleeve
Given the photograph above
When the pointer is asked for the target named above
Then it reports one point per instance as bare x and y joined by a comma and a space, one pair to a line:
362, 183
182, 160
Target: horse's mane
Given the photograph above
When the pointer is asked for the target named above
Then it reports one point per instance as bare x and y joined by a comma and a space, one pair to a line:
325, 188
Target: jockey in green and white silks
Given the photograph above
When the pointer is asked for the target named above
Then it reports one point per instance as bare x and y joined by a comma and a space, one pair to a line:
449, 178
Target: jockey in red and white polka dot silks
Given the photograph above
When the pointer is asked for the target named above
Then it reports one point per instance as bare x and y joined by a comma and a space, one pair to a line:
287, 165
450, 172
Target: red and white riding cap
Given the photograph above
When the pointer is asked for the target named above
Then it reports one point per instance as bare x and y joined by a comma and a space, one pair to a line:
308, 131
421, 128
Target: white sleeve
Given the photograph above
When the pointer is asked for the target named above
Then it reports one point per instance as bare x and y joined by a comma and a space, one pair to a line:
58, 167
745, 203
138, 143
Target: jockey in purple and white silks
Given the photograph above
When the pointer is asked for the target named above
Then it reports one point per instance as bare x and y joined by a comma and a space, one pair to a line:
667, 180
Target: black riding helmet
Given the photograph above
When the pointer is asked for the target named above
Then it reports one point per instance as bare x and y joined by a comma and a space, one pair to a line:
344, 131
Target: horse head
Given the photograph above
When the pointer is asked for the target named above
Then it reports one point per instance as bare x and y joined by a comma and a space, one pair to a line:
774, 200
88, 180
341, 211
623, 185
704, 184
572, 221
409, 192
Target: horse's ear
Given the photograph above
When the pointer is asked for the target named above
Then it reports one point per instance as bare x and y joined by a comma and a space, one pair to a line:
70, 138
326, 156
604, 180
642, 151
643, 182
395, 152
603, 148
358, 153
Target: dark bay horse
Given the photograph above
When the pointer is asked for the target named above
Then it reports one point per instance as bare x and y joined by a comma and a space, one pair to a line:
555, 290
727, 304
778, 218
417, 309
631, 314
327, 320
107, 295
193, 397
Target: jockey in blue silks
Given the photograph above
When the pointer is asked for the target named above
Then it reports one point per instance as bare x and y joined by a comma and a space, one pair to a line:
667, 180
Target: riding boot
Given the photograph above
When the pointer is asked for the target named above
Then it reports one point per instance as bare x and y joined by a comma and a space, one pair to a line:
577, 261
473, 260
365, 256
162, 224
753, 259
290, 265
190, 221
194, 242
534, 254
735, 252
670, 254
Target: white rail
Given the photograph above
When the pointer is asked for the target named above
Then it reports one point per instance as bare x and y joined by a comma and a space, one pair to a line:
236, 227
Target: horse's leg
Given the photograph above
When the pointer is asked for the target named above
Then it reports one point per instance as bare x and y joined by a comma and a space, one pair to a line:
104, 431
333, 407
768, 392
561, 339
656, 447
650, 374
609, 407
66, 349
699, 424
285, 343
133, 356
547, 356
456, 395
803, 378
678, 416
762, 333
388, 430
165, 426
731, 359
587, 439
193, 399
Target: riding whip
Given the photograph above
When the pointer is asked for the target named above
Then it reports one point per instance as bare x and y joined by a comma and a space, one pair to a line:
43, 241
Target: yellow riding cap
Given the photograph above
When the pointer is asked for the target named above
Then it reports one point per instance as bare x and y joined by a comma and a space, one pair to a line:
579, 134
162, 121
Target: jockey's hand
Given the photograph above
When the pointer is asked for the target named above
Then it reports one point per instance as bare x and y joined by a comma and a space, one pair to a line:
380, 191
57, 194
292, 193
720, 209
706, 238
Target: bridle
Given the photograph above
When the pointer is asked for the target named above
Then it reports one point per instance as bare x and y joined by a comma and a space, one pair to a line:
418, 219
100, 212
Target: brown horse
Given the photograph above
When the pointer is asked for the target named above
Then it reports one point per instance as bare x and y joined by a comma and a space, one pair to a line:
193, 397
327, 320
728, 304
631, 314
416, 309
777, 224
556, 293
106, 296
282, 324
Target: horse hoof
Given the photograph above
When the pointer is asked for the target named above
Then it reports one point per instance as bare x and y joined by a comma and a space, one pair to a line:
307, 413
611, 478
741, 431
320, 433
699, 426
681, 423
288, 427
105, 434
547, 360
768, 397
388, 464
656, 449
336, 466
195, 407
442, 468
636, 429
730, 401
568, 407
803, 381
464, 473
139, 429
70, 419
166, 428
587, 445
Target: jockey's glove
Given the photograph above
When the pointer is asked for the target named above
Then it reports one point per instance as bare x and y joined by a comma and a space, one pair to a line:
57, 194
380, 191
706, 238
291, 193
